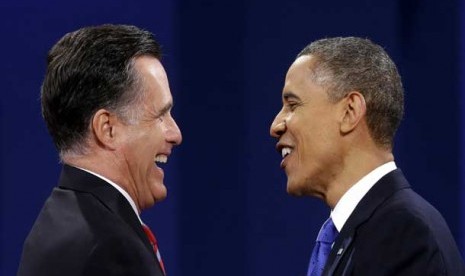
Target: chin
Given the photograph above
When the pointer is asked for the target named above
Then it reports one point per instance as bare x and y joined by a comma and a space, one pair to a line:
293, 189
159, 192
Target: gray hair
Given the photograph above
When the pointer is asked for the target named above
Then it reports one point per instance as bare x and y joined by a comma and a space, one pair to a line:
344, 64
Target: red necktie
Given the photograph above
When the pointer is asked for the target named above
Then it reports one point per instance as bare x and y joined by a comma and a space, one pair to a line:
154, 243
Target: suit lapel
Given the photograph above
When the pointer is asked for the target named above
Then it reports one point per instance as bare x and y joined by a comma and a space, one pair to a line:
76, 179
376, 196
339, 250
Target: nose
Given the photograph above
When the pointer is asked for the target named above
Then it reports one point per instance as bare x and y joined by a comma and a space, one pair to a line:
173, 134
278, 127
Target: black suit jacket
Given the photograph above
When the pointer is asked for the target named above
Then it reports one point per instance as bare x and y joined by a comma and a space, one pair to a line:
87, 227
394, 231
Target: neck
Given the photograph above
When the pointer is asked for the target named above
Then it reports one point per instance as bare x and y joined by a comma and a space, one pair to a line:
355, 166
106, 165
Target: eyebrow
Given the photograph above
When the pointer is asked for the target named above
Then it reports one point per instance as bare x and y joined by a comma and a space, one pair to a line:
289, 96
165, 109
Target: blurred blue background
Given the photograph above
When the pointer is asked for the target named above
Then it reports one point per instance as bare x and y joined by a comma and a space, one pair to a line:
227, 212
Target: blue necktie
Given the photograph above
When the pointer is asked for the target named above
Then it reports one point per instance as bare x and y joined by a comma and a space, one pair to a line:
324, 241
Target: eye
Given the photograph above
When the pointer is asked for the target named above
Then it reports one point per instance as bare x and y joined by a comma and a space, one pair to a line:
164, 112
164, 116
292, 105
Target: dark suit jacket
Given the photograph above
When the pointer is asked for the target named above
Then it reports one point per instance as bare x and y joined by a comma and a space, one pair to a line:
87, 227
394, 231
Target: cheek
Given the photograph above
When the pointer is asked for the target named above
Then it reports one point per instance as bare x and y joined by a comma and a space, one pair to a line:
154, 141
315, 140
139, 146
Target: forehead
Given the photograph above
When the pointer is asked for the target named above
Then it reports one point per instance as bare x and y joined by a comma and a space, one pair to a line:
301, 68
153, 79
299, 74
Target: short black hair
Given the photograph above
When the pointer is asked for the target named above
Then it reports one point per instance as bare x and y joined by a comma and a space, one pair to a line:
344, 64
90, 69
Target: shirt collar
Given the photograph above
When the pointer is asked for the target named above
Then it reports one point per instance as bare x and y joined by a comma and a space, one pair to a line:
352, 197
121, 190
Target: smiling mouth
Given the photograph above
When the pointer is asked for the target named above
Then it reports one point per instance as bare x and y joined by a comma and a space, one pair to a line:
161, 159
285, 151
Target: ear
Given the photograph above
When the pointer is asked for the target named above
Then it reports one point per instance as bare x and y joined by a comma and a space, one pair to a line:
354, 109
103, 127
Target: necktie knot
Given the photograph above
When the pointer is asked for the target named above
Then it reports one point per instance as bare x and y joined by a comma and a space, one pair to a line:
328, 232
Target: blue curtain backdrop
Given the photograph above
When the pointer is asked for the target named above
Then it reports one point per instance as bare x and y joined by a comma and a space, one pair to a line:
462, 123
227, 212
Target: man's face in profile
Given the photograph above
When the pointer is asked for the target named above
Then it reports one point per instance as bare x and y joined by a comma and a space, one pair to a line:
308, 131
149, 141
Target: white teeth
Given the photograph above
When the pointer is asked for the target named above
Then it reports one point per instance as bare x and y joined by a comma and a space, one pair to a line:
285, 151
161, 158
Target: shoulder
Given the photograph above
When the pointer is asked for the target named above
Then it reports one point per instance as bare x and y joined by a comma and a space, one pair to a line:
407, 213
406, 234
116, 255
73, 229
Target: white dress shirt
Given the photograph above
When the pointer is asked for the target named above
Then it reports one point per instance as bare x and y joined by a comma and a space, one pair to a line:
121, 190
352, 197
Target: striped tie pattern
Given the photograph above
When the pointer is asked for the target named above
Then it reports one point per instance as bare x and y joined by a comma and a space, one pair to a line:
154, 243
